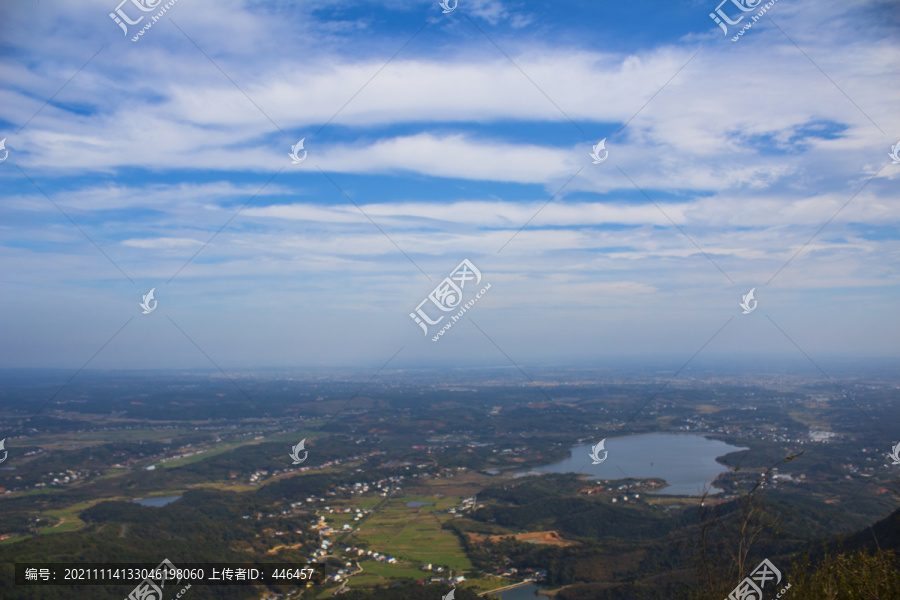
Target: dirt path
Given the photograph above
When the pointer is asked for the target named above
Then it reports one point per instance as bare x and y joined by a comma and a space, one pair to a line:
341, 589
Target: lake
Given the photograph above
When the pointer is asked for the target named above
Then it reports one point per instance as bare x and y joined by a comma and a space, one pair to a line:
156, 501
686, 461
418, 504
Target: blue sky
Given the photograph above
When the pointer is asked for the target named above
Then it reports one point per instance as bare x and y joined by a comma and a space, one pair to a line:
433, 138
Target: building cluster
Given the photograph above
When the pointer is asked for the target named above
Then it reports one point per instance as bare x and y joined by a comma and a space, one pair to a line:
467, 505
521, 575
59, 479
382, 487
624, 487
364, 554
442, 575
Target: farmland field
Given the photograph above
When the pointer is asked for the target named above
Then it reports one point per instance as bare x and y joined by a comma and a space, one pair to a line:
415, 534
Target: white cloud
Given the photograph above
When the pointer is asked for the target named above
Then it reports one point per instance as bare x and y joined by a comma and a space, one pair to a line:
164, 242
717, 149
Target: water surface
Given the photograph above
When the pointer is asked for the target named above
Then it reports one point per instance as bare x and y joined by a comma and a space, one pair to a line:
686, 461
156, 501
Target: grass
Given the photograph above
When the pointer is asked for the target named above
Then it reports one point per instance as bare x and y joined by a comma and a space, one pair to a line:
225, 486
63, 527
224, 447
109, 474
68, 516
63, 441
158, 494
364, 503
327, 592
490, 582
415, 534
376, 573
34, 492
13, 540
191, 459
218, 449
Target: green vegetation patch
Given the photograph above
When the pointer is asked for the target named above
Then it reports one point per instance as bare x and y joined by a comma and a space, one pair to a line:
415, 534
376, 573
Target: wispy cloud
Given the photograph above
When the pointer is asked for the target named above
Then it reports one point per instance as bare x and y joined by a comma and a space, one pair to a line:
447, 151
